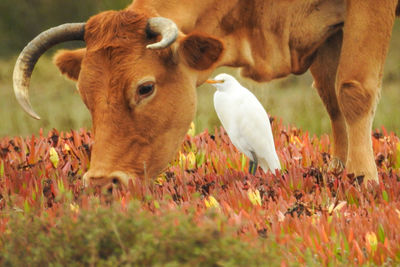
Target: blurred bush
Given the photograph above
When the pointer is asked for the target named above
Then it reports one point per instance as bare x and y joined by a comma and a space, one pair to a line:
22, 20
109, 237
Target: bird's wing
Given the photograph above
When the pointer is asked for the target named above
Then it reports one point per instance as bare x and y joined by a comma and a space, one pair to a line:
254, 126
226, 107
223, 103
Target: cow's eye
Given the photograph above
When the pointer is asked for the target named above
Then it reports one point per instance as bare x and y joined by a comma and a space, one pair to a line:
145, 89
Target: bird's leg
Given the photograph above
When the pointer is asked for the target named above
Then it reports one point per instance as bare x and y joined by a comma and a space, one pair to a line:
253, 164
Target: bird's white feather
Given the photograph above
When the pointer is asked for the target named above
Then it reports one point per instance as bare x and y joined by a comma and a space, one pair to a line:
246, 122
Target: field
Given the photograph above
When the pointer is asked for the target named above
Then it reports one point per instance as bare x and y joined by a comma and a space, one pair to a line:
204, 210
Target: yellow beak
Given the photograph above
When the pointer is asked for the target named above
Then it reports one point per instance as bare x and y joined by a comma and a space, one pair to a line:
214, 81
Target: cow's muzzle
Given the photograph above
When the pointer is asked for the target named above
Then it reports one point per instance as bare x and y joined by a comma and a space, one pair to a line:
107, 182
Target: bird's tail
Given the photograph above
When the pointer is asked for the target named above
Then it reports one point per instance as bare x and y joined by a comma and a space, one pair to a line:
271, 163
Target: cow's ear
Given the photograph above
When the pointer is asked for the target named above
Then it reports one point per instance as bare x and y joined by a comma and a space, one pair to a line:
69, 62
201, 51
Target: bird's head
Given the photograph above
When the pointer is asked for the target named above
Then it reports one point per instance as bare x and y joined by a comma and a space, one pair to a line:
223, 81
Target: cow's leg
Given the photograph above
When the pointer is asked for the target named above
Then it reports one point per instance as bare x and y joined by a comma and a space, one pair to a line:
366, 38
324, 70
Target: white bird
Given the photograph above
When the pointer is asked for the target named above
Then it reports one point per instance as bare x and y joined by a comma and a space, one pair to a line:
246, 122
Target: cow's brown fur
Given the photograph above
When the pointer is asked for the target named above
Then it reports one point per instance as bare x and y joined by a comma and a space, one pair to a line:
324, 70
69, 62
267, 39
355, 99
201, 53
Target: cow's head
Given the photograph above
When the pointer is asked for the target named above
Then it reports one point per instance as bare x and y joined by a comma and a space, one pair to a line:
137, 76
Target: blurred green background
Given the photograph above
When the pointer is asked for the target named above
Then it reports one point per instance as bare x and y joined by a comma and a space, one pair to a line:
56, 100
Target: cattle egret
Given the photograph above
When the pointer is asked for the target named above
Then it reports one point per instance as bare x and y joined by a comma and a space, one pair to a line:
246, 122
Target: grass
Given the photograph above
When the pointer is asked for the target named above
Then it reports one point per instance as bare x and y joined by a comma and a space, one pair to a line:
53, 97
204, 210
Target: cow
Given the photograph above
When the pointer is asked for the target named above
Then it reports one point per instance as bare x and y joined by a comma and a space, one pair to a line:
140, 67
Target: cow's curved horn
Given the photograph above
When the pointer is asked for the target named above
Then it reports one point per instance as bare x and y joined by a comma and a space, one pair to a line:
166, 28
32, 52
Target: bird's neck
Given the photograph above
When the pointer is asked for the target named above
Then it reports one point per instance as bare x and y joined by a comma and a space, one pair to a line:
229, 88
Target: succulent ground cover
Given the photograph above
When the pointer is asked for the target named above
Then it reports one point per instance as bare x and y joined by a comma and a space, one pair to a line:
205, 209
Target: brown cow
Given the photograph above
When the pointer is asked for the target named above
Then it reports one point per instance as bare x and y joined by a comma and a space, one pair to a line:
139, 70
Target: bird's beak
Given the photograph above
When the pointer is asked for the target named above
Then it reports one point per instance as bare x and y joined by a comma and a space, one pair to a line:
214, 81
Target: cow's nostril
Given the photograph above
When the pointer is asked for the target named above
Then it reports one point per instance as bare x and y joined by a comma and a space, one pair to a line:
110, 189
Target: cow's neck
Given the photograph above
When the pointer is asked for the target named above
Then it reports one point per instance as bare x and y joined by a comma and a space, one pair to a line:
267, 38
